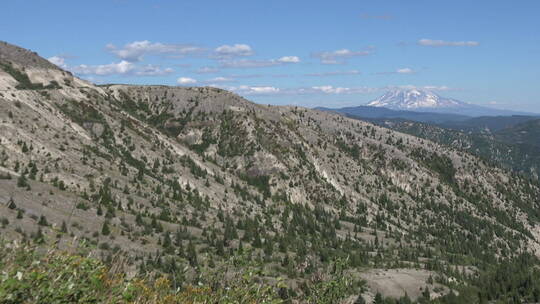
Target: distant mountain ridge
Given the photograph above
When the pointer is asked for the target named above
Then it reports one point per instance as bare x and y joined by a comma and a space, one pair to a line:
414, 99
488, 124
427, 101
369, 112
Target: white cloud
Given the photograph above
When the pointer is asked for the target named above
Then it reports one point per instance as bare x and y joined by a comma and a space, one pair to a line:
122, 67
334, 73
339, 56
398, 71
437, 43
271, 90
207, 70
228, 51
328, 89
289, 59
136, 50
255, 90
245, 63
439, 88
247, 75
426, 87
186, 80
248, 63
405, 71
153, 70
331, 90
264, 90
60, 61
220, 80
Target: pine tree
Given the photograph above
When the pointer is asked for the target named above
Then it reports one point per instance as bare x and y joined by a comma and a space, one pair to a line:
378, 299
211, 262
11, 204
268, 246
64, 227
282, 245
426, 294
166, 240
110, 212
33, 172
158, 227
43, 221
240, 247
192, 254
139, 220
39, 238
257, 243
22, 182
105, 230
220, 250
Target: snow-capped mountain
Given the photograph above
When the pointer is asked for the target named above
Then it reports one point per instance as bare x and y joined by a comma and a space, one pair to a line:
418, 100
415, 100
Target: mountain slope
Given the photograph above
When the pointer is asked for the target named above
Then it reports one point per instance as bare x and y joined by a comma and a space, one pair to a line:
524, 133
500, 148
178, 179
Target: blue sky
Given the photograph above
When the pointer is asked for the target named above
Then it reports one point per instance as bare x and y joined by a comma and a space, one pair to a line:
311, 53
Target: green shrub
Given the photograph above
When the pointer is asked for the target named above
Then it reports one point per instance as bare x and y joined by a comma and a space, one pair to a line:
31, 276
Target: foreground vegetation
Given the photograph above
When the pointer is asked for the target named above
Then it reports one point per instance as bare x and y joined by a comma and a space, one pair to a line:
32, 275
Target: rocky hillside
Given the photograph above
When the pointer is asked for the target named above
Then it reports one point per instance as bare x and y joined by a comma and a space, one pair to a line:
177, 179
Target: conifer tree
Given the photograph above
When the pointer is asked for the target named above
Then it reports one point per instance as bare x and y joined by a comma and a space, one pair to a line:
11, 204
64, 227
105, 230
22, 182
39, 238
43, 221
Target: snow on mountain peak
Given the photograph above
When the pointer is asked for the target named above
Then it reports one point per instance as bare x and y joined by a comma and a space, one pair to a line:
414, 99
